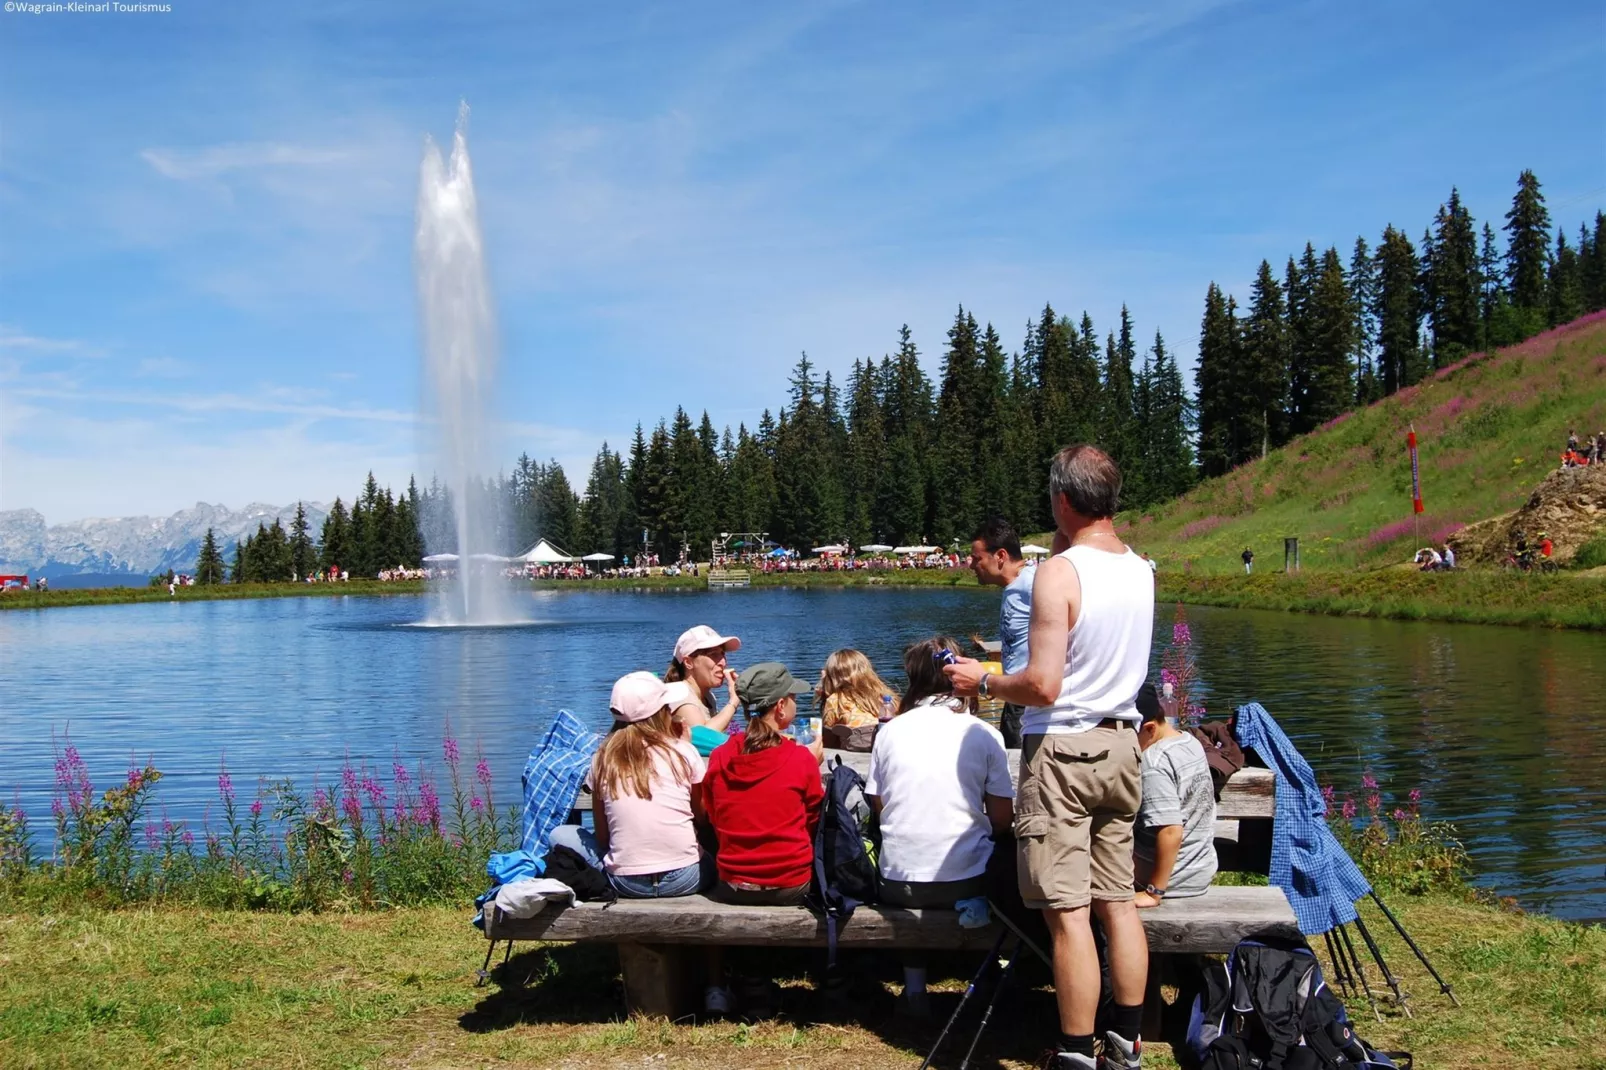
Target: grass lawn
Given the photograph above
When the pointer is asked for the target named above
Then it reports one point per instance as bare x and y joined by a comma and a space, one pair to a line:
177, 987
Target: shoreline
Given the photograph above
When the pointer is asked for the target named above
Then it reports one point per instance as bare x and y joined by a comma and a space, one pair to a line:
1560, 600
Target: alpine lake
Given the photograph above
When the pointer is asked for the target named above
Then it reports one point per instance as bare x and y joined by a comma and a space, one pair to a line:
1503, 730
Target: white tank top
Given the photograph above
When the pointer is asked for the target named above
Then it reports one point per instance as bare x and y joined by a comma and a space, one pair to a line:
1107, 650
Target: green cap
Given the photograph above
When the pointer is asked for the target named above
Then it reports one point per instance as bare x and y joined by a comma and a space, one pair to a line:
763, 685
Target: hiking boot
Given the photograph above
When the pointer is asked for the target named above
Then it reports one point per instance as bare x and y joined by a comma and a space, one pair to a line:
1120, 1053
758, 998
1066, 1060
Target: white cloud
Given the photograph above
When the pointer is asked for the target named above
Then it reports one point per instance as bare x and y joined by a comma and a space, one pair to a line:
217, 160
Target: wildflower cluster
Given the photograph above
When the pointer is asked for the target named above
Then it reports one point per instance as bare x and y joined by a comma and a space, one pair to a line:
366, 843
1179, 667
1394, 846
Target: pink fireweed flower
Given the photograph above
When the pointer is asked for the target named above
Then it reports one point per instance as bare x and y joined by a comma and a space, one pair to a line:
225, 786
320, 799
135, 777
1181, 634
1400, 814
189, 838
348, 778
1328, 793
1348, 810
1168, 677
256, 808
482, 771
152, 841
429, 804
1374, 802
476, 804
399, 774
449, 746
376, 793
1416, 795
57, 809
1369, 782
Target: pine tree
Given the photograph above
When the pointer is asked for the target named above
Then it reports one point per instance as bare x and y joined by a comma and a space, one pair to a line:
957, 487
334, 549
303, 555
866, 453
1398, 311
1565, 284
1596, 295
238, 570
990, 418
1454, 283
1300, 283
1492, 276
1214, 380
634, 521
1330, 339
1528, 251
1169, 432
1262, 404
1363, 312
1117, 419
209, 565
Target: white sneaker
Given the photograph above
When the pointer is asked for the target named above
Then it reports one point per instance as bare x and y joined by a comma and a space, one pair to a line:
716, 1000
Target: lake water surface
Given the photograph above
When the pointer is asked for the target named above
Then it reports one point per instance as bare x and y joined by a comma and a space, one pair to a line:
1503, 729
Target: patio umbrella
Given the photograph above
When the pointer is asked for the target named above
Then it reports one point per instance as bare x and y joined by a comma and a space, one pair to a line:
1033, 550
433, 558
875, 548
597, 557
829, 550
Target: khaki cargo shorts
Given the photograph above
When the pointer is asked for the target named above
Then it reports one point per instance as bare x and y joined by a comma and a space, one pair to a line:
1074, 811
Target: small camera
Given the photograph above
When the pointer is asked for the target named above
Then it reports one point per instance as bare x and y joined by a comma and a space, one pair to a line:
943, 656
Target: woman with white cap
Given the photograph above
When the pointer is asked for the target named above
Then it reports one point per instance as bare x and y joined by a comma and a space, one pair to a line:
698, 668
646, 795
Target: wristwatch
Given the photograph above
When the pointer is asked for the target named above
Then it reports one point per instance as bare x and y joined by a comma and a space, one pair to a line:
981, 688
1158, 893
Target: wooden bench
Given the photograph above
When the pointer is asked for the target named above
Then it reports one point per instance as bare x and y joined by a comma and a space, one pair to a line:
653, 935
660, 978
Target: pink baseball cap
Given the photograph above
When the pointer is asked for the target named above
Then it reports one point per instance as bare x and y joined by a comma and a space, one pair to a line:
702, 637
637, 696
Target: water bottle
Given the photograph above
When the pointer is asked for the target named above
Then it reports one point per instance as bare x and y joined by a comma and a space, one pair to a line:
886, 708
801, 731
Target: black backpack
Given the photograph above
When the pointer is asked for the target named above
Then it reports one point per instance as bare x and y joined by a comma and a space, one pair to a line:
1268, 1008
844, 869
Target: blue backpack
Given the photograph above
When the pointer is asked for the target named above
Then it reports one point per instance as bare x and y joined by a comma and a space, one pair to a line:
1268, 1008
845, 872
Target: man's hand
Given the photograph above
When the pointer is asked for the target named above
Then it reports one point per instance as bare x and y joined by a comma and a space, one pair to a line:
1143, 900
965, 674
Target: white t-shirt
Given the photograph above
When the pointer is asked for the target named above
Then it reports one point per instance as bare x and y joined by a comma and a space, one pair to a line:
930, 767
654, 835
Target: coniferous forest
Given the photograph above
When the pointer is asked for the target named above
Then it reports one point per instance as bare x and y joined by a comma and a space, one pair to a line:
891, 454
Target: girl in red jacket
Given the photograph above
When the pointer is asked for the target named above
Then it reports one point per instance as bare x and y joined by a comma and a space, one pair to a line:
763, 795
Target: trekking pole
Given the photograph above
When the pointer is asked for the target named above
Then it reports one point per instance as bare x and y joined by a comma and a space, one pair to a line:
1444, 985
1340, 971
1360, 971
969, 990
1377, 956
987, 1013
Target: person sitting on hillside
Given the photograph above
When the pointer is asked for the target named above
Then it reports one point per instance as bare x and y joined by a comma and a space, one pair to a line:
850, 694
1173, 849
939, 779
1572, 441
696, 669
1449, 557
1428, 559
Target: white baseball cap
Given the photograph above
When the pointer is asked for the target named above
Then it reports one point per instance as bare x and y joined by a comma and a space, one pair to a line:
702, 637
637, 696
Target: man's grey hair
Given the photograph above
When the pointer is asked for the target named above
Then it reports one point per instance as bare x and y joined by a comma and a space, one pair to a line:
1088, 478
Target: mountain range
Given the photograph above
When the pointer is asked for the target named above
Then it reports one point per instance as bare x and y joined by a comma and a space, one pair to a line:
125, 548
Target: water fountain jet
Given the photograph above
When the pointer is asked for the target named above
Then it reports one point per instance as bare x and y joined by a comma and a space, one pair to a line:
459, 350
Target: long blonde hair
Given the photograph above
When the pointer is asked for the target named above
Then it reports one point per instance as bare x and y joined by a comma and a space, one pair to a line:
625, 762
849, 673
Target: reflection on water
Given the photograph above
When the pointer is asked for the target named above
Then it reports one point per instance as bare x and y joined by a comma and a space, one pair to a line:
1503, 729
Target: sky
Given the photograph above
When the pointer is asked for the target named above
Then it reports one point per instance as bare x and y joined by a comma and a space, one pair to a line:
207, 213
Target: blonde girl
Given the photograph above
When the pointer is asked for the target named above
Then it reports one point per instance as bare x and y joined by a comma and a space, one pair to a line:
850, 693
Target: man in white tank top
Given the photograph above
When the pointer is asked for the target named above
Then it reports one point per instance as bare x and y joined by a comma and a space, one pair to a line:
1080, 774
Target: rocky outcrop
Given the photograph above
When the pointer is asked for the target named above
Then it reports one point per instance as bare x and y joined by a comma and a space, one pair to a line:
1569, 506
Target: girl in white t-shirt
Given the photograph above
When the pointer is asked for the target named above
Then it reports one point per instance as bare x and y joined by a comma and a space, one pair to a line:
939, 779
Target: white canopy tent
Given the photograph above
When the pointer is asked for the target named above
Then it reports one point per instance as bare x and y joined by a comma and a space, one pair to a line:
875, 548
1031, 549
545, 553
834, 549
915, 550
439, 559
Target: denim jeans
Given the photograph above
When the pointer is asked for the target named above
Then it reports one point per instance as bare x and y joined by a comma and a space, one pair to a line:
686, 880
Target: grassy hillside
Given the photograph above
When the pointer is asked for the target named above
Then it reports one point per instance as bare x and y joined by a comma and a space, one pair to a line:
1488, 429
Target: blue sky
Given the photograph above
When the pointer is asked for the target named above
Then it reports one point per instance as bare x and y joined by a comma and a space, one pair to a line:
206, 215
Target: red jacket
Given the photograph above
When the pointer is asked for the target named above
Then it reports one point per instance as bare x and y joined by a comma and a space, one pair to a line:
764, 807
